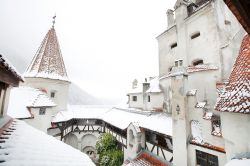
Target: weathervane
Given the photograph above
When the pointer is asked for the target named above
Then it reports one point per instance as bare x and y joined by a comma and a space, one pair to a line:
54, 20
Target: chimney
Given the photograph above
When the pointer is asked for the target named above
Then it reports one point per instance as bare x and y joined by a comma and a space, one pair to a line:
134, 84
170, 17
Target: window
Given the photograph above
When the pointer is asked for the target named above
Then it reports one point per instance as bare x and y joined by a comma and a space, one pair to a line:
52, 94
181, 62
197, 62
173, 45
170, 69
216, 126
195, 35
42, 111
134, 98
176, 63
148, 98
131, 138
90, 152
206, 159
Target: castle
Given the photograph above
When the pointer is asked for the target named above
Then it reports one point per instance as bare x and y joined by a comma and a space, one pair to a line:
190, 114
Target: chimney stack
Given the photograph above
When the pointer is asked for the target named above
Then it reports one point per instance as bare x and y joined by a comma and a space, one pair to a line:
170, 17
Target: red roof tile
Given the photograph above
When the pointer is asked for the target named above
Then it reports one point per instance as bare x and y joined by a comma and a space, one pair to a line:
236, 97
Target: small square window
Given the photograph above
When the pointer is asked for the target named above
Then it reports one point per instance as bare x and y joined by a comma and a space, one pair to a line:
52, 94
134, 98
42, 111
195, 35
173, 45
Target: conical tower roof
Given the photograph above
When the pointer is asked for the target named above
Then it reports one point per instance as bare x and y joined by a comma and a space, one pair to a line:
48, 60
236, 97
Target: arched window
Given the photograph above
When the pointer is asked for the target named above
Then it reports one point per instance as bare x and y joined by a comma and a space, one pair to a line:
131, 138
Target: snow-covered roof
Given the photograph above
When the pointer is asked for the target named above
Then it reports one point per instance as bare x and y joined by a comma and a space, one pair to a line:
146, 158
5, 62
201, 67
120, 117
201, 104
30, 147
238, 162
137, 89
236, 96
208, 115
23, 97
192, 92
154, 86
48, 61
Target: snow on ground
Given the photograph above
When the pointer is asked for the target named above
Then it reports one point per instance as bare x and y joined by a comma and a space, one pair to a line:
28, 146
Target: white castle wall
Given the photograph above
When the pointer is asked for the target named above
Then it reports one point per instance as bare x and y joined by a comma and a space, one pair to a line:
235, 130
60, 88
41, 122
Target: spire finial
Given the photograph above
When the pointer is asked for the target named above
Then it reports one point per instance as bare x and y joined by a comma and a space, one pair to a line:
54, 21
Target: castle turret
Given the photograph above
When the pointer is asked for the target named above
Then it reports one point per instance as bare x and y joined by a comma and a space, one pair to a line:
47, 70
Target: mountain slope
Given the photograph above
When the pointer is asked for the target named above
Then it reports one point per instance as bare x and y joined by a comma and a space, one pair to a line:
77, 96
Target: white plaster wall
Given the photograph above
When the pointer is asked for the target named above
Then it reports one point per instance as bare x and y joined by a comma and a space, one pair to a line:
41, 122
197, 114
206, 46
156, 100
166, 54
235, 130
138, 103
71, 140
192, 154
60, 87
205, 83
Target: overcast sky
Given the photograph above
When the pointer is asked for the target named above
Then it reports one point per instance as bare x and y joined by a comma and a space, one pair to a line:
105, 43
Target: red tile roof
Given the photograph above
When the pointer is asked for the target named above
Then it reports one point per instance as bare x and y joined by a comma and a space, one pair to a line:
236, 97
146, 159
48, 61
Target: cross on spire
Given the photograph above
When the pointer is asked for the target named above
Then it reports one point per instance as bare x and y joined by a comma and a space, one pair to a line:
54, 21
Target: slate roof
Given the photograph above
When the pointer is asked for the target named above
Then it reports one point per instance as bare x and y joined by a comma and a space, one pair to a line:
7, 65
48, 61
21, 144
236, 97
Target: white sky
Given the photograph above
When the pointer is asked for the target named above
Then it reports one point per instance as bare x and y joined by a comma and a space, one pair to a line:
105, 43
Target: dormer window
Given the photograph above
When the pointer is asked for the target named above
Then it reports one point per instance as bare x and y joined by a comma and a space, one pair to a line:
197, 62
180, 62
195, 35
173, 45
176, 63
